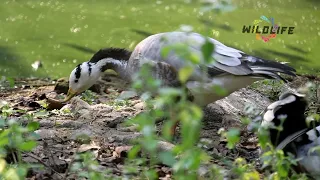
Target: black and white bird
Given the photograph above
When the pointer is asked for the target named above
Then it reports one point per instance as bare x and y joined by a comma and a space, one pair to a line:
232, 68
296, 137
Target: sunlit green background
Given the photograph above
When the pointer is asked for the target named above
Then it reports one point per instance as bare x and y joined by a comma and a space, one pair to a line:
64, 33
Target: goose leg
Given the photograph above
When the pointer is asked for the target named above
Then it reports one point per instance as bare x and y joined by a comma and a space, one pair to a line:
173, 117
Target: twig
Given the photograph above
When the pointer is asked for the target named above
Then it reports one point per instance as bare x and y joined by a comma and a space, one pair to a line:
49, 154
70, 164
43, 163
14, 157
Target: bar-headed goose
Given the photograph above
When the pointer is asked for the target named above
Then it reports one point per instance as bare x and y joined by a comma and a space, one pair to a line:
296, 137
232, 68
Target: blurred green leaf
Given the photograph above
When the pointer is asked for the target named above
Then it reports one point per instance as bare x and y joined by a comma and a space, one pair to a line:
4, 133
220, 90
27, 146
151, 174
75, 166
3, 164
21, 171
134, 151
84, 174
185, 73
2, 123
194, 58
166, 91
32, 126
263, 137
11, 174
43, 103
165, 51
4, 141
11, 81
314, 150
233, 137
207, 49
282, 170
167, 158
253, 175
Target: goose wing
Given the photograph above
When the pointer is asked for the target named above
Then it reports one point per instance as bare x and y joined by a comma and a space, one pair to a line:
291, 138
227, 60
236, 62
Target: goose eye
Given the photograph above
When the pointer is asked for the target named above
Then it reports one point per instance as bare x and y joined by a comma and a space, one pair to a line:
76, 81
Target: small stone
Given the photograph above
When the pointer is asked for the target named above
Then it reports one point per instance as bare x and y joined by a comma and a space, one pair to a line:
79, 104
81, 135
66, 108
127, 95
115, 122
203, 171
165, 146
102, 108
140, 106
45, 133
111, 139
128, 129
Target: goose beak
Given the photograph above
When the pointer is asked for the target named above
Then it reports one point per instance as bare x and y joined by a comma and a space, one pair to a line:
70, 95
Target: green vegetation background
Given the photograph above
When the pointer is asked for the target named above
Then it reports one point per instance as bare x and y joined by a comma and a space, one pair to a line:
62, 34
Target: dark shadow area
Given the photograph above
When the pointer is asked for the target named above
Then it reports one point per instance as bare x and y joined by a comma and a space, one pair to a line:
289, 57
262, 54
14, 65
141, 32
80, 48
294, 48
215, 25
314, 1
294, 61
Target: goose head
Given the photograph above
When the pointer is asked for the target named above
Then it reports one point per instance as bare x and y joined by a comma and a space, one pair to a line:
86, 74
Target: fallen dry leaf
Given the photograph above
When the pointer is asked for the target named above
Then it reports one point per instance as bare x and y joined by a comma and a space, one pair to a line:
121, 151
87, 147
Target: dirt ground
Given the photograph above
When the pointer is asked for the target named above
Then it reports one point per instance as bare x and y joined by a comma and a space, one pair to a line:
101, 121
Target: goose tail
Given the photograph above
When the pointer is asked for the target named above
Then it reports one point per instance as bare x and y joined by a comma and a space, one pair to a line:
269, 69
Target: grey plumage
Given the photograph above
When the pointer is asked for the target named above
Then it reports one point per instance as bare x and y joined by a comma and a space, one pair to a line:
227, 59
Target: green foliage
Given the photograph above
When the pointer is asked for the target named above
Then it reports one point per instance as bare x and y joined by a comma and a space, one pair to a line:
207, 49
6, 81
185, 73
14, 140
85, 166
244, 170
270, 88
232, 136
88, 96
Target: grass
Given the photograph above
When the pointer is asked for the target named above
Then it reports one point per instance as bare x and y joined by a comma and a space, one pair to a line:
62, 34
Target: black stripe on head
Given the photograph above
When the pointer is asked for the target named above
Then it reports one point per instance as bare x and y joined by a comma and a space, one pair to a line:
78, 71
89, 68
114, 53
